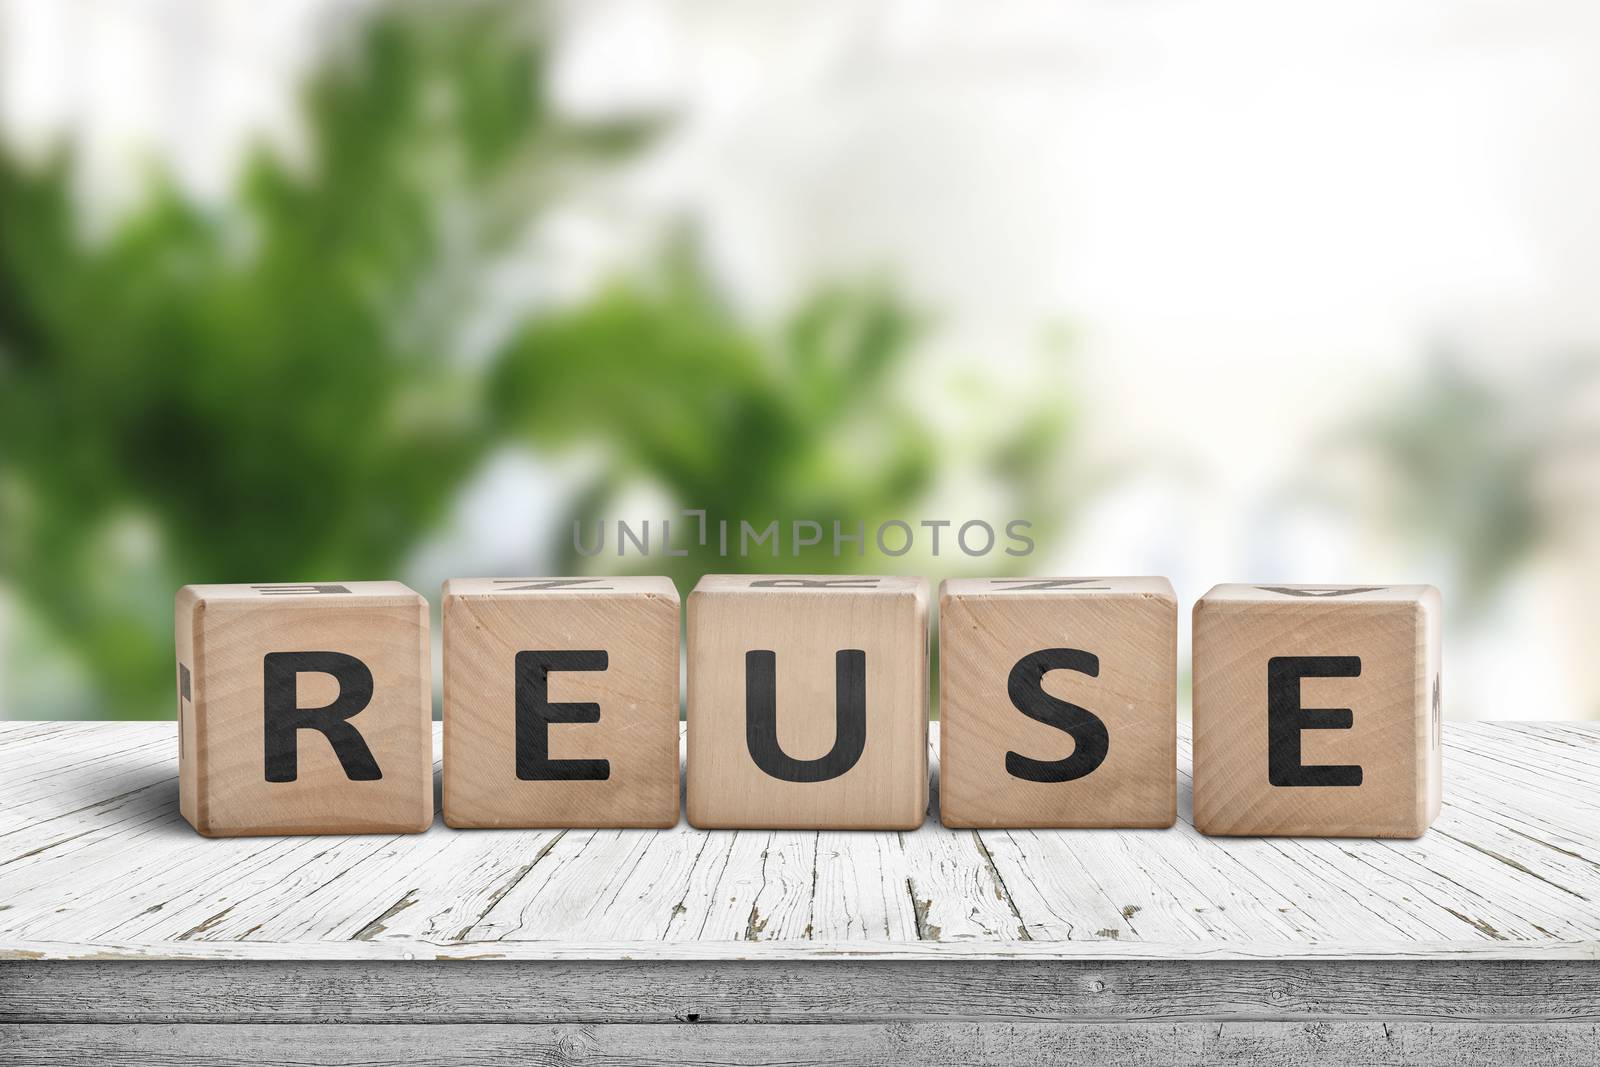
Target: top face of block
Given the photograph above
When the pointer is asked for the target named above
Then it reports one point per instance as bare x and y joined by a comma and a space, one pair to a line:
301, 594
1291, 593
628, 585
813, 585
998, 588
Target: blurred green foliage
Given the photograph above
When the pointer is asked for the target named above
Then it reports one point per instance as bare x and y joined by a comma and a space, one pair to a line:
270, 389
807, 423
279, 389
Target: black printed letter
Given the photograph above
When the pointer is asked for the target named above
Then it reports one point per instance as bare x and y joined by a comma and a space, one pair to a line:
761, 717
1088, 732
285, 718
1286, 718
535, 713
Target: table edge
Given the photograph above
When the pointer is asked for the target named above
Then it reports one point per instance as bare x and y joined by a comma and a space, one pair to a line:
704, 951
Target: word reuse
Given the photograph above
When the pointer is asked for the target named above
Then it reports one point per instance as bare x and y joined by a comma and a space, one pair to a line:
306, 709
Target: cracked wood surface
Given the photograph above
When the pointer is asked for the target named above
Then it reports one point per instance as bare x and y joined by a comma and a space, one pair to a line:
95, 863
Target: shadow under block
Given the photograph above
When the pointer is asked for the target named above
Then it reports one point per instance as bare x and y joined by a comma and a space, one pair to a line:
1316, 710
808, 702
560, 702
304, 709
1058, 702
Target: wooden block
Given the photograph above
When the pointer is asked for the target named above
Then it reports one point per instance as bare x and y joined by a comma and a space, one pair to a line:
304, 709
1058, 702
1316, 710
808, 702
560, 702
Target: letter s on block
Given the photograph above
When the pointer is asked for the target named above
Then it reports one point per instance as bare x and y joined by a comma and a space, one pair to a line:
1025, 687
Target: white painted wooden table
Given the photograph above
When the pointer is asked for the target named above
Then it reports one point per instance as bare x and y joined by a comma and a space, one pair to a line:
124, 937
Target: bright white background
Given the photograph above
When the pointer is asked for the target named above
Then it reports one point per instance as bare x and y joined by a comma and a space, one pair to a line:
1243, 223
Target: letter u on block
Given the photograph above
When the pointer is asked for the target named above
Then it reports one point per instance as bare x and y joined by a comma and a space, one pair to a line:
808, 702
761, 718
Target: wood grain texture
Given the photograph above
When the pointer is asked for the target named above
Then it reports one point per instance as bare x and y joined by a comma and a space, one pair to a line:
780, 991
226, 638
1374, 722
880, 1044
988, 630
630, 624
807, 626
96, 863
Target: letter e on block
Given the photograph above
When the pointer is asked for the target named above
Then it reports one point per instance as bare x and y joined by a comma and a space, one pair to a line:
561, 702
304, 709
1316, 710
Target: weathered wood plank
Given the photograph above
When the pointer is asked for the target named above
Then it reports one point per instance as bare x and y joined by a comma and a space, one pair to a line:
749, 884
25, 728
57, 778
787, 991
1420, 1044
862, 890
380, 949
955, 891
1511, 869
1056, 895
169, 888
572, 889
443, 901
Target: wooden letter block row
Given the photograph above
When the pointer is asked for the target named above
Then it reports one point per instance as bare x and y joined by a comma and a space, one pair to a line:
306, 708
